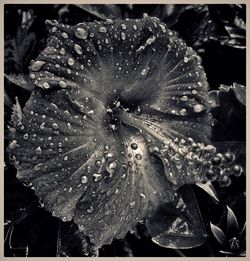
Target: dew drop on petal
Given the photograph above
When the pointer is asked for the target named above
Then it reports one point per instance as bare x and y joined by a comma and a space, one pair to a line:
134, 146
81, 33
71, 61
13, 145
198, 108
163, 28
132, 204
183, 112
97, 177
134, 27
90, 209
98, 163
26, 136
84, 179
123, 35
38, 150
46, 85
36, 66
38, 166
65, 35
78, 49
184, 98
55, 126
62, 51
32, 76
103, 29
62, 84
138, 156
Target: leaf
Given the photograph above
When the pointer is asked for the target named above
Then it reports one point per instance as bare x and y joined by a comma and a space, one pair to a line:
178, 225
72, 242
209, 188
20, 80
232, 224
102, 11
219, 235
240, 92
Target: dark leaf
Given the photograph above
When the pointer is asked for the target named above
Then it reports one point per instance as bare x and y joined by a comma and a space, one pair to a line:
208, 187
240, 92
72, 242
219, 235
178, 225
232, 223
20, 80
102, 11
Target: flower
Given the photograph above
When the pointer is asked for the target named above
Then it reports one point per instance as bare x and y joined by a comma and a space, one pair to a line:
118, 121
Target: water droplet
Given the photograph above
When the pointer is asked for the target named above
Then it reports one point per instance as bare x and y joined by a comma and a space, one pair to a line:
183, 112
36, 66
112, 167
134, 27
198, 108
42, 126
199, 84
90, 210
66, 158
71, 61
78, 49
186, 59
13, 145
109, 21
84, 179
132, 204
138, 156
55, 126
123, 26
123, 35
26, 136
32, 76
46, 85
62, 84
53, 29
142, 195
144, 71
134, 146
38, 150
62, 51
98, 163
150, 40
81, 33
97, 177
184, 98
38, 166
163, 28
64, 35
103, 29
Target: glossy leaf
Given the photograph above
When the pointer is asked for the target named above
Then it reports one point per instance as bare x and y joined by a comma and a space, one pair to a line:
219, 235
232, 223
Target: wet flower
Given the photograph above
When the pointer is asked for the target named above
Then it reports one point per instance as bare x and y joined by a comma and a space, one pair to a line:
118, 121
